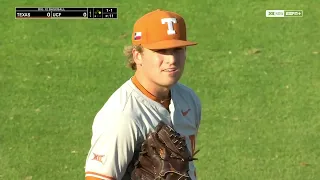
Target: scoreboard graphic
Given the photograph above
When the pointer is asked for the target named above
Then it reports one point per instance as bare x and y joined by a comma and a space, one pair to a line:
66, 13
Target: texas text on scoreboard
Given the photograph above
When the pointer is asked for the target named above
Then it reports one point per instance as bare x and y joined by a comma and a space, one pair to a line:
66, 13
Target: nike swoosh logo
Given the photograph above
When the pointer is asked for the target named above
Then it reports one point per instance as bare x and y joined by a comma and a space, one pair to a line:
184, 113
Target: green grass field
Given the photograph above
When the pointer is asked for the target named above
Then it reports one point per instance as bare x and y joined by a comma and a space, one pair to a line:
261, 110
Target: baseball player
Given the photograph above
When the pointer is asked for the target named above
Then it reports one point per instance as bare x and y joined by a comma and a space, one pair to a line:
153, 94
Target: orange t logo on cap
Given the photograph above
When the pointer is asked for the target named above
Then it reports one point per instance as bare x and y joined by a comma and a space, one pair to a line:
160, 29
170, 22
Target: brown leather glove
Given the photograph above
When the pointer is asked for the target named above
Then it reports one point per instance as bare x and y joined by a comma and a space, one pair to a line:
164, 156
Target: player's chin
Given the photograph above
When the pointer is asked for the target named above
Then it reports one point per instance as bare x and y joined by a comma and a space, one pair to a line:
171, 80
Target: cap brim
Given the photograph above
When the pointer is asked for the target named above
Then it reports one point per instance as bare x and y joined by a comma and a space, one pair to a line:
168, 44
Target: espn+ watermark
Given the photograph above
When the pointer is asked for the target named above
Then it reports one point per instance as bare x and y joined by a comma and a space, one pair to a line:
284, 13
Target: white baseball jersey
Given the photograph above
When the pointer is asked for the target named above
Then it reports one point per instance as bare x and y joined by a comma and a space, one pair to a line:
122, 124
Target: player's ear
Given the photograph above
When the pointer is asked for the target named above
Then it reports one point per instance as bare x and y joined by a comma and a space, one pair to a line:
137, 56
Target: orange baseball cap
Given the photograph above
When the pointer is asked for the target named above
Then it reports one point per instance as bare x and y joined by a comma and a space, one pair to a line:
160, 29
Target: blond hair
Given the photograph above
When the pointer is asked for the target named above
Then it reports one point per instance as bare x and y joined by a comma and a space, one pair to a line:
127, 51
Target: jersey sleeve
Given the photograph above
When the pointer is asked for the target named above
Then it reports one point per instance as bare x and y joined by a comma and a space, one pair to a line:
114, 138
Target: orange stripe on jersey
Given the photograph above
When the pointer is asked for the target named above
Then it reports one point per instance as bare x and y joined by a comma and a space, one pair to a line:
193, 143
135, 81
88, 177
92, 178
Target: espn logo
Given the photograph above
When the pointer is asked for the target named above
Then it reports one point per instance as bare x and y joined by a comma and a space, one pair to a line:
284, 13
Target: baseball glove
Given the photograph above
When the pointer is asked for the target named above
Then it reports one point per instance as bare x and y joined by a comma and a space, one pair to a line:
164, 156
